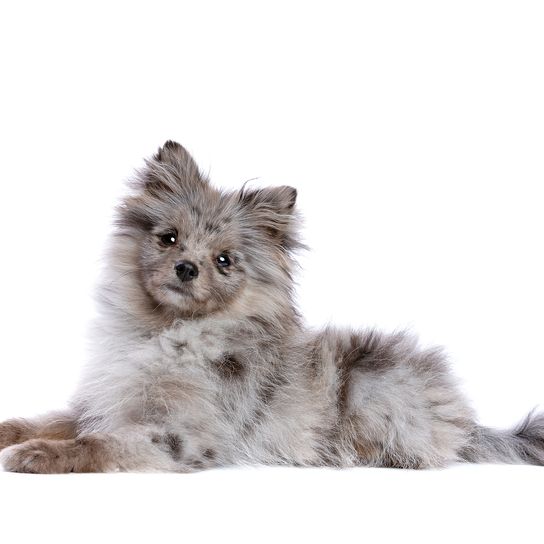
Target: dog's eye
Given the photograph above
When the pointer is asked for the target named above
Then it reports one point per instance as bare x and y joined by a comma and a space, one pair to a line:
223, 260
168, 238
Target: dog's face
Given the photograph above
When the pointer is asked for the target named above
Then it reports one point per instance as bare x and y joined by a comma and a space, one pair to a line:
199, 250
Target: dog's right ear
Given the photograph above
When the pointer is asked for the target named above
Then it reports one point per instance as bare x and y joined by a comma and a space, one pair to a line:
177, 156
169, 176
171, 169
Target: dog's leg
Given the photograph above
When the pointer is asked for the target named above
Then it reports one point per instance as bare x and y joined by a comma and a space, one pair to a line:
55, 426
130, 449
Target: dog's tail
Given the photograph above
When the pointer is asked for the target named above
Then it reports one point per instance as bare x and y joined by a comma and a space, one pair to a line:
524, 444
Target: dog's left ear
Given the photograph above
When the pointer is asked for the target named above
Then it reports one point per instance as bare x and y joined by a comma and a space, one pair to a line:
270, 200
272, 210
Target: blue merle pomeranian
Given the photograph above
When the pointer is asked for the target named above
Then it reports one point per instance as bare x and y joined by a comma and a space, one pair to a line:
201, 359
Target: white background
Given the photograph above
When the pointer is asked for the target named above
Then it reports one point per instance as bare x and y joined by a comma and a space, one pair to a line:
414, 134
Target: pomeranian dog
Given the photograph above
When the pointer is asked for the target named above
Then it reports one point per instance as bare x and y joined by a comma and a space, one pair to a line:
202, 360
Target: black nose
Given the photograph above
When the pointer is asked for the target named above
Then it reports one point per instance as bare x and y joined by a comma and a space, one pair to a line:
186, 270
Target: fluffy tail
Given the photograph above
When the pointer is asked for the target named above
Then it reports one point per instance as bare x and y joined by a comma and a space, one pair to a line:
522, 445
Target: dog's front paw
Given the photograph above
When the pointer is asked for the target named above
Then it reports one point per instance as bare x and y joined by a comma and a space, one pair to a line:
38, 456
13, 431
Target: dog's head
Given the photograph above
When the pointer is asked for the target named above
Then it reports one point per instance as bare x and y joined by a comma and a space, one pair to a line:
193, 249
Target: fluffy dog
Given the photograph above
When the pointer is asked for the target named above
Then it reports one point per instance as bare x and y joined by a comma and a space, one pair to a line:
202, 360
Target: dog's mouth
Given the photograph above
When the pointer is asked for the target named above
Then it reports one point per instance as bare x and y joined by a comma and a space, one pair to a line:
177, 289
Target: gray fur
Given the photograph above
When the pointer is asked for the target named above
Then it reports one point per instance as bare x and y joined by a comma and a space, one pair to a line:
220, 370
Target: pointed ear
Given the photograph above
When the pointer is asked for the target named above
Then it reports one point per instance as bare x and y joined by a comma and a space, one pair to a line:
272, 209
177, 156
170, 170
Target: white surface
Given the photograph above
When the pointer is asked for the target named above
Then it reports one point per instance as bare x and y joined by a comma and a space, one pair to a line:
413, 131
461, 504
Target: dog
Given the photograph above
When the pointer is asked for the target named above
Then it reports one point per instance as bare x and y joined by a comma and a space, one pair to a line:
200, 358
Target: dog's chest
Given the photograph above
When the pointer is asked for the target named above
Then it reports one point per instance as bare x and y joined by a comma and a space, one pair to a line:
191, 347
181, 373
